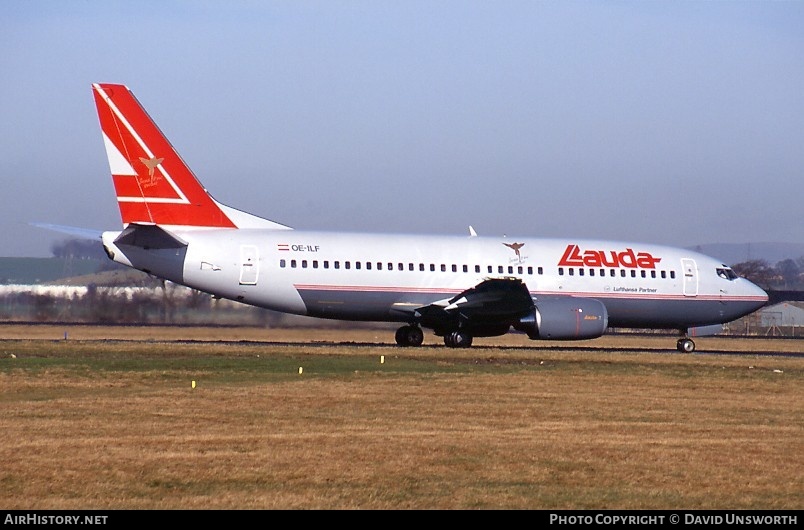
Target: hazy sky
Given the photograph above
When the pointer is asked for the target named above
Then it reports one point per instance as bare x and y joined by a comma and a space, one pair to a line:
676, 122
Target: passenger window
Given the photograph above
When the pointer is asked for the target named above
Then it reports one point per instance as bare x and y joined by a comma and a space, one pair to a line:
561, 271
282, 263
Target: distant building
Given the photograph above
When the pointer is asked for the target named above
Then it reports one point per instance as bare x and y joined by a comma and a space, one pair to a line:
784, 315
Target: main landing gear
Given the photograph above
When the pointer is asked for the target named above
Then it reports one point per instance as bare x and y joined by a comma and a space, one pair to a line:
685, 345
409, 336
412, 335
458, 339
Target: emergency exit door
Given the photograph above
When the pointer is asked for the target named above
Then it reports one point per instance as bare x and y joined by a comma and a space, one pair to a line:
690, 271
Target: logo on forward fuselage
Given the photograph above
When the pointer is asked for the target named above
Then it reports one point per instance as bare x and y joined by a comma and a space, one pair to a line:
515, 247
574, 257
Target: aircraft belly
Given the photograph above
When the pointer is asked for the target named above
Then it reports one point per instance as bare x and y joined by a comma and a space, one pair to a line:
367, 305
669, 314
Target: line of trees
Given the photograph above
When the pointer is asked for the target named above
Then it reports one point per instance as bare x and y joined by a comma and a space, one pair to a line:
167, 304
787, 274
78, 249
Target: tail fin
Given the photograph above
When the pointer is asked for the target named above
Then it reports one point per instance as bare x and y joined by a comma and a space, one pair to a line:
152, 182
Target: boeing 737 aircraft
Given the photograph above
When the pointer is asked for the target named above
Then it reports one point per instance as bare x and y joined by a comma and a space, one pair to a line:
459, 287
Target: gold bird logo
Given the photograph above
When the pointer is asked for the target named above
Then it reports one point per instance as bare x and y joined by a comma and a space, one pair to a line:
515, 247
151, 164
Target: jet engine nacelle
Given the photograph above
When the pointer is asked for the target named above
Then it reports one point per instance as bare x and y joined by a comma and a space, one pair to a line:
568, 318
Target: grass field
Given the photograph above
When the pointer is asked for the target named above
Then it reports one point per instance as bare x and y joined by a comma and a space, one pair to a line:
109, 418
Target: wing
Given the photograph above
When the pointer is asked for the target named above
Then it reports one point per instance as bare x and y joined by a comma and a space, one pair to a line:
487, 309
495, 306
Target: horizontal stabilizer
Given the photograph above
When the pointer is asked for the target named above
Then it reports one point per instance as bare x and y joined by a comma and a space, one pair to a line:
81, 233
148, 237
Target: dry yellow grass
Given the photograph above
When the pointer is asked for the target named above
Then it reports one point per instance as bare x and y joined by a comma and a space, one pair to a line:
532, 427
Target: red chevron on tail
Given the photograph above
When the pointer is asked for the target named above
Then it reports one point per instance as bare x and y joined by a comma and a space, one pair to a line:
152, 182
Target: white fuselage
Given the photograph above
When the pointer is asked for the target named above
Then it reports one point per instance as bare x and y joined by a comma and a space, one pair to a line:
383, 277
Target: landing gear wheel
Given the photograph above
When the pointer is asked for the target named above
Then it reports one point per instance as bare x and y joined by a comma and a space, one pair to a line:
458, 339
685, 345
409, 336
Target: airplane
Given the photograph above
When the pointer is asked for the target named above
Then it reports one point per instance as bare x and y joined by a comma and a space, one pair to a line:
458, 287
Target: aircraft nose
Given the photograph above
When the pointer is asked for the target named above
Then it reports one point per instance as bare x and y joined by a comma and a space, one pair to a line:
757, 293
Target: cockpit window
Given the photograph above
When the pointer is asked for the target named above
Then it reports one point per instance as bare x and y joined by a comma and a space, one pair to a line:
726, 273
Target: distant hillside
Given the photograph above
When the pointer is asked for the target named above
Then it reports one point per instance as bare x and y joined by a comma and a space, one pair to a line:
119, 277
27, 271
731, 253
